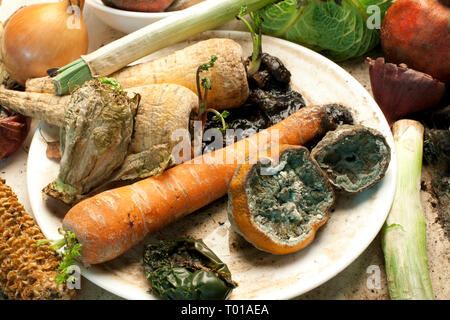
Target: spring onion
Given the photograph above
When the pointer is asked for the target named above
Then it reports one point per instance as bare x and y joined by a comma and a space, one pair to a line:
165, 32
404, 232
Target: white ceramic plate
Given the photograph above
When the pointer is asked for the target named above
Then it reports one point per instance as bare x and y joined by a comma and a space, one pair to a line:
349, 230
123, 20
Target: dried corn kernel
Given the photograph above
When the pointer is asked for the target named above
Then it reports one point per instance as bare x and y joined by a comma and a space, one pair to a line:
26, 270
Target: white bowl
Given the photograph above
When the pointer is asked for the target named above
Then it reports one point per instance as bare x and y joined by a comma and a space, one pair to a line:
125, 21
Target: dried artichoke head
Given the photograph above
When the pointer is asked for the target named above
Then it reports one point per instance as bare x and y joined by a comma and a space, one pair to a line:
94, 138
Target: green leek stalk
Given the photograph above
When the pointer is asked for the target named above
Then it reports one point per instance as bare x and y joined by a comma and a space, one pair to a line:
117, 54
404, 232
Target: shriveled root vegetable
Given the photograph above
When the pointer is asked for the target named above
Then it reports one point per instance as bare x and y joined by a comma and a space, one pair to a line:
163, 108
42, 106
278, 207
353, 156
400, 91
112, 222
229, 78
40, 85
27, 272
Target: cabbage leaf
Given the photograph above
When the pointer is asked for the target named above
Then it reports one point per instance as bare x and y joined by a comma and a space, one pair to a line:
338, 29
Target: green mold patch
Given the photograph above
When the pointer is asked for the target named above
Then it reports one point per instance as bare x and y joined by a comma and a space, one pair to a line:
353, 156
287, 200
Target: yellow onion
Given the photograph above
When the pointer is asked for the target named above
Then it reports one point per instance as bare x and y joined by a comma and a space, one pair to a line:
43, 36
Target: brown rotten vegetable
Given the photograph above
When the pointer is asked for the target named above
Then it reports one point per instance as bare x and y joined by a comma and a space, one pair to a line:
162, 109
399, 90
353, 156
27, 271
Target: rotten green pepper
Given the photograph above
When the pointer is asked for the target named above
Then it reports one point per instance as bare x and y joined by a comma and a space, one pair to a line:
186, 269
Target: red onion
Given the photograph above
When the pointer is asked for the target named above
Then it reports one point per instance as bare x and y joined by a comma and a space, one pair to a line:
399, 90
13, 131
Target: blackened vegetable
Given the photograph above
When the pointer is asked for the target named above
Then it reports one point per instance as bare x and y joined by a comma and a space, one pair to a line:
271, 100
186, 269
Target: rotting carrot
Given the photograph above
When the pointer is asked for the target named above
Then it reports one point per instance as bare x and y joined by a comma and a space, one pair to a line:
230, 87
112, 222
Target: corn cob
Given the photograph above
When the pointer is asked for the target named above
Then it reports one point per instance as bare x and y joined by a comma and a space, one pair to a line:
27, 272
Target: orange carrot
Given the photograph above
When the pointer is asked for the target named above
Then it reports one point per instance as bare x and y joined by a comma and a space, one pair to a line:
112, 222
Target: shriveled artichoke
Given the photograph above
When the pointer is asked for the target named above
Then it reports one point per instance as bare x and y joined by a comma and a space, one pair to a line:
94, 139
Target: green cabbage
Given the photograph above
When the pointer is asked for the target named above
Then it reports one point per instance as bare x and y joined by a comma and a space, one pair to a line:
337, 29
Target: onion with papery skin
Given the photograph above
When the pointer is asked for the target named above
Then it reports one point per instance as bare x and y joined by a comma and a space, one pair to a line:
399, 90
13, 131
43, 36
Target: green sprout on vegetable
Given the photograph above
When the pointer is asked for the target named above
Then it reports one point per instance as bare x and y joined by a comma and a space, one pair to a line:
220, 117
204, 83
256, 34
70, 251
111, 82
